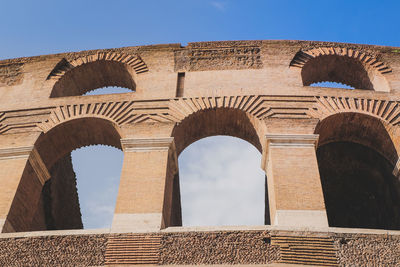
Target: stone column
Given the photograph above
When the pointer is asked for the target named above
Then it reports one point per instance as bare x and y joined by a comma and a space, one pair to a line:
22, 175
294, 186
146, 199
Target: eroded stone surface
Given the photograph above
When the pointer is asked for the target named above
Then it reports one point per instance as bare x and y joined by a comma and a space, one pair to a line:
218, 248
74, 250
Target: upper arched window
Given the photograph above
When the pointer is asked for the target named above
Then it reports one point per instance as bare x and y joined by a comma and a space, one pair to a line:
84, 74
341, 66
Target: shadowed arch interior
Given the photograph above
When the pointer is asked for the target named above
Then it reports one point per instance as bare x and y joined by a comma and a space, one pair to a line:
90, 76
356, 158
76, 133
340, 69
55, 204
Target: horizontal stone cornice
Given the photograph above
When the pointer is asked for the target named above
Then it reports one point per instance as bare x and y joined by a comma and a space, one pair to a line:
127, 112
287, 141
15, 152
147, 144
291, 140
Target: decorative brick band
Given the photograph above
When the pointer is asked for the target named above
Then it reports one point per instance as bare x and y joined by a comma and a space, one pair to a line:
313, 250
133, 249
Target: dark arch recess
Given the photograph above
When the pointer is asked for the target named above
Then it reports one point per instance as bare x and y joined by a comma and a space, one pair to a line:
93, 75
356, 158
335, 68
217, 121
55, 204
357, 128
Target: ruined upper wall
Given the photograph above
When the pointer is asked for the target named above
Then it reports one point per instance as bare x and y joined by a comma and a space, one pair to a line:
211, 68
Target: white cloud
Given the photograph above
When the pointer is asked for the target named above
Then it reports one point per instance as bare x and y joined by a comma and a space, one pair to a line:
222, 183
220, 5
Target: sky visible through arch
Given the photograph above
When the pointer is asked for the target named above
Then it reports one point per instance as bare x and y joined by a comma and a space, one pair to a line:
30, 28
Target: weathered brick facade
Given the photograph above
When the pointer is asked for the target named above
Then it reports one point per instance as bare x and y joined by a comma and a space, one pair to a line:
329, 154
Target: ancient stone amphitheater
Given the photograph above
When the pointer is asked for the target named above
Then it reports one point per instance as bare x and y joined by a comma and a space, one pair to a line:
330, 155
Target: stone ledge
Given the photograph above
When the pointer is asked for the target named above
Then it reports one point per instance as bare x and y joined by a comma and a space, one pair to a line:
183, 229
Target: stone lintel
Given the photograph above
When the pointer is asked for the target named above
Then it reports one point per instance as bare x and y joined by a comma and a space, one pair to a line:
2, 222
6, 227
396, 170
303, 218
287, 140
291, 139
39, 167
30, 153
137, 222
147, 144
15, 152
151, 144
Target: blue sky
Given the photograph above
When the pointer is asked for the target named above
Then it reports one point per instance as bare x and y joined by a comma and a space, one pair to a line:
30, 28
41, 27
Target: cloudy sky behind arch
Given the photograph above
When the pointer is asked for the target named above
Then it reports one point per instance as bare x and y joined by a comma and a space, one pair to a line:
30, 28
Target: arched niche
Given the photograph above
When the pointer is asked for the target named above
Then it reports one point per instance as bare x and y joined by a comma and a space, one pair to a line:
334, 68
93, 75
35, 207
345, 66
356, 158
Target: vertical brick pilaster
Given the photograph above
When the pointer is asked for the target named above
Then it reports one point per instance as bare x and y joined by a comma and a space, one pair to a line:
145, 198
294, 186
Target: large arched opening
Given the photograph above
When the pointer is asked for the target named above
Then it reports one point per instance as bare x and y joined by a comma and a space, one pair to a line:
219, 157
54, 205
356, 158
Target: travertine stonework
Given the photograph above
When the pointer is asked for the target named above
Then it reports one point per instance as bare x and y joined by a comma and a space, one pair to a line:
218, 248
366, 250
202, 248
330, 155
66, 250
